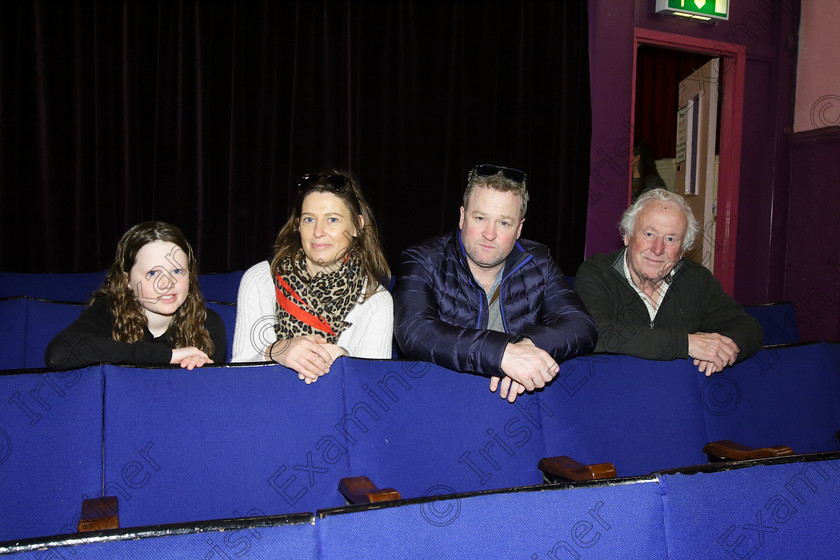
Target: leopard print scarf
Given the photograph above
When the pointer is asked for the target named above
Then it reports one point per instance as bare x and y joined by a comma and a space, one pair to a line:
318, 305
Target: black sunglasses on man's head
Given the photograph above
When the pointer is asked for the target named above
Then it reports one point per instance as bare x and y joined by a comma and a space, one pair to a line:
487, 170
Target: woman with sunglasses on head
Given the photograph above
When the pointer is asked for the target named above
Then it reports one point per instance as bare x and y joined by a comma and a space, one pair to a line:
149, 309
320, 296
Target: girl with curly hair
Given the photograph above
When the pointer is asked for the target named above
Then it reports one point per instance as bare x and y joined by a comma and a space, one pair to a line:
149, 309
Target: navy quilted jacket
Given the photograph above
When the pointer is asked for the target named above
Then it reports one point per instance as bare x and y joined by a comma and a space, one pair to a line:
441, 311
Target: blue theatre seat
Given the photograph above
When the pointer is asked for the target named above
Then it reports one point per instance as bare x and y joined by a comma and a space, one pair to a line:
832, 351
29, 326
228, 313
220, 441
50, 450
217, 442
222, 287
778, 321
77, 287
786, 510
780, 396
639, 415
644, 416
72, 286
44, 320
420, 428
600, 521
262, 538
13, 327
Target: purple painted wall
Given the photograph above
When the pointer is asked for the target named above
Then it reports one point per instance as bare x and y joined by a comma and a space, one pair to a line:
813, 278
817, 81
611, 81
767, 30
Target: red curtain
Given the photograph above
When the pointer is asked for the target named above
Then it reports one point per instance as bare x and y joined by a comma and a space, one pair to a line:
658, 74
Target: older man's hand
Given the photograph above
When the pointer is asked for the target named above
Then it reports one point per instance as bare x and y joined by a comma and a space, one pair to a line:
712, 351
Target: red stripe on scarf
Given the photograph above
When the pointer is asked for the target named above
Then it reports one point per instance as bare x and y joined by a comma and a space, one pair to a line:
297, 311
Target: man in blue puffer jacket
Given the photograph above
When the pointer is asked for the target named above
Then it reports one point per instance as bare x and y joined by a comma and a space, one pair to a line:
480, 300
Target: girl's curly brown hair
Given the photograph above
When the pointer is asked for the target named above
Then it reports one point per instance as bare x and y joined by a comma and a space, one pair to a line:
187, 326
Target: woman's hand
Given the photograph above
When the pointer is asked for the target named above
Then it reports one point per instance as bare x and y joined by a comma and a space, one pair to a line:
335, 351
190, 357
310, 355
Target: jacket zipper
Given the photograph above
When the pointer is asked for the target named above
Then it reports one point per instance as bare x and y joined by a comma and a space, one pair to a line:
501, 285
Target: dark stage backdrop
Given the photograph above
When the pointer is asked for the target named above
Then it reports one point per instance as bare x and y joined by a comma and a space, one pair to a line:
203, 114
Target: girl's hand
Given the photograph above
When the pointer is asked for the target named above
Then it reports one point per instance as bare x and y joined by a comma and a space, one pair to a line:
190, 357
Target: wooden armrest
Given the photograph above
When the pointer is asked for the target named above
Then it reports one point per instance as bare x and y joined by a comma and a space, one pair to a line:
726, 450
360, 490
99, 513
568, 468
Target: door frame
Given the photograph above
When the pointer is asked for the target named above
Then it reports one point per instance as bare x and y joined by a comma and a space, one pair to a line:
733, 63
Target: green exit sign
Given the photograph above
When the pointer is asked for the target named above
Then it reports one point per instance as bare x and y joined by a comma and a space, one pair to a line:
704, 10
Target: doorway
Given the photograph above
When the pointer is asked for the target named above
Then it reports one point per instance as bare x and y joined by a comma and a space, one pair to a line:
675, 140
654, 119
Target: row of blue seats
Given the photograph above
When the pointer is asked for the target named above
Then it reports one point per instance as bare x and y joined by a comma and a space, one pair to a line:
76, 287
183, 446
31, 323
778, 320
770, 509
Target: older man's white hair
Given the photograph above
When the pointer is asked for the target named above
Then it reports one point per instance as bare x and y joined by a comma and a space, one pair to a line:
628, 220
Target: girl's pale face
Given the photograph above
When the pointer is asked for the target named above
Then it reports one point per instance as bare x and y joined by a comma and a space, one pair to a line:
159, 278
326, 231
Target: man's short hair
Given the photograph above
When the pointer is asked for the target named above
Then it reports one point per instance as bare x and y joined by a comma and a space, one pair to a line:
498, 182
628, 220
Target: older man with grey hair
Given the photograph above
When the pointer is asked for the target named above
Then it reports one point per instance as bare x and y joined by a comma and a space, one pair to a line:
650, 302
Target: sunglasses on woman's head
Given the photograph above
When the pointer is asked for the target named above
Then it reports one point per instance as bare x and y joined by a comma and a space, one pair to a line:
487, 170
337, 182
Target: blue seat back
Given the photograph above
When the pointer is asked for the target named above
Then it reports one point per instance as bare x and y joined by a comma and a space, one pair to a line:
222, 287
612, 521
832, 350
44, 320
769, 511
220, 441
640, 415
50, 450
425, 430
78, 286
73, 286
780, 396
228, 313
29, 326
217, 442
13, 325
778, 321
